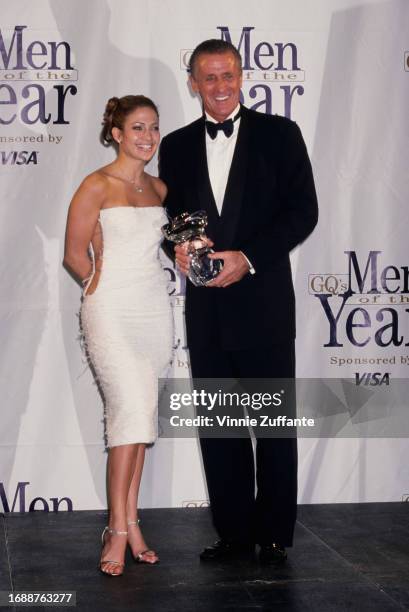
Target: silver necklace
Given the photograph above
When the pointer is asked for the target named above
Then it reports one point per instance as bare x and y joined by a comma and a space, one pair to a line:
137, 188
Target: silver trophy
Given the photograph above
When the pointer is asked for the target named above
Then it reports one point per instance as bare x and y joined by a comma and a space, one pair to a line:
190, 227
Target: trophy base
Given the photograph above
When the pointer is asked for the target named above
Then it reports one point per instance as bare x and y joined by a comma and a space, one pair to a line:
202, 269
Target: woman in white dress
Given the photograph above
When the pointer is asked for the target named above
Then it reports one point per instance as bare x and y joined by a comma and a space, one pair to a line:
112, 246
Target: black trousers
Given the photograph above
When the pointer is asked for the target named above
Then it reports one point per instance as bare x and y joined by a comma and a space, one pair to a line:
240, 512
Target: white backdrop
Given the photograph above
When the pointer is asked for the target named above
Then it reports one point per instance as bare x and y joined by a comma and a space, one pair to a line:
337, 67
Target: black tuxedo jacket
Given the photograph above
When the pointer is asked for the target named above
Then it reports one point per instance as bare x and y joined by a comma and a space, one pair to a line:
269, 207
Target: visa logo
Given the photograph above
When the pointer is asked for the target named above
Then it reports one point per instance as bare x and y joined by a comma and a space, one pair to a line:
372, 378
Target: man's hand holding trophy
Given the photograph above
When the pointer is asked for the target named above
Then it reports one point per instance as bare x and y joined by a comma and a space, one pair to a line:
188, 231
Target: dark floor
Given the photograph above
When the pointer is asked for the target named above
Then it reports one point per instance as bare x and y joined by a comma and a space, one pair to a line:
346, 557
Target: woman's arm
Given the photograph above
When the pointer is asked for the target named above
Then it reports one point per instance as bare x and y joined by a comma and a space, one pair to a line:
82, 221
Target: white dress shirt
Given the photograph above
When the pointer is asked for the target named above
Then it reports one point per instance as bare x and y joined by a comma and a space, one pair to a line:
220, 153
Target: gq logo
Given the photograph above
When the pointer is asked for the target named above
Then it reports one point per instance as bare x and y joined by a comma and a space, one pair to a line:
335, 284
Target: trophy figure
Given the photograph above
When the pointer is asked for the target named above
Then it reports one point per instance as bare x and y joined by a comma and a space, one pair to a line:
190, 227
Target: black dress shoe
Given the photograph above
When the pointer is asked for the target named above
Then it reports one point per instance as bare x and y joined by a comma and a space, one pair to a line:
272, 554
223, 549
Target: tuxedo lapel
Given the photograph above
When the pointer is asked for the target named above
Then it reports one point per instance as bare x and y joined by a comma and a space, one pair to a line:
235, 184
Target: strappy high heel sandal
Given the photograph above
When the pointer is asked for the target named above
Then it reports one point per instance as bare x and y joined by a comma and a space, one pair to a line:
105, 562
145, 556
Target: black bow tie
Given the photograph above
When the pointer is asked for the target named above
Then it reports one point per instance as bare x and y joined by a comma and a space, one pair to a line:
226, 127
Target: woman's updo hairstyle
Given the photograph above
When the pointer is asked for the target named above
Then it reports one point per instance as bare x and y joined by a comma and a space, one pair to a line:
117, 110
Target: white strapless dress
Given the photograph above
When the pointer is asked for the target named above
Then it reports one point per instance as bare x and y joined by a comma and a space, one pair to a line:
127, 322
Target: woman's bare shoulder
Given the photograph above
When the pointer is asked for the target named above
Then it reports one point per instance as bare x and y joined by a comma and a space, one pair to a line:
160, 187
96, 182
91, 193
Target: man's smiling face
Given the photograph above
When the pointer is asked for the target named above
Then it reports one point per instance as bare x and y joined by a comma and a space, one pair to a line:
217, 77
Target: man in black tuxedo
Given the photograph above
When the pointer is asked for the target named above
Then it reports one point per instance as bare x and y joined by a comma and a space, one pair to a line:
251, 173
